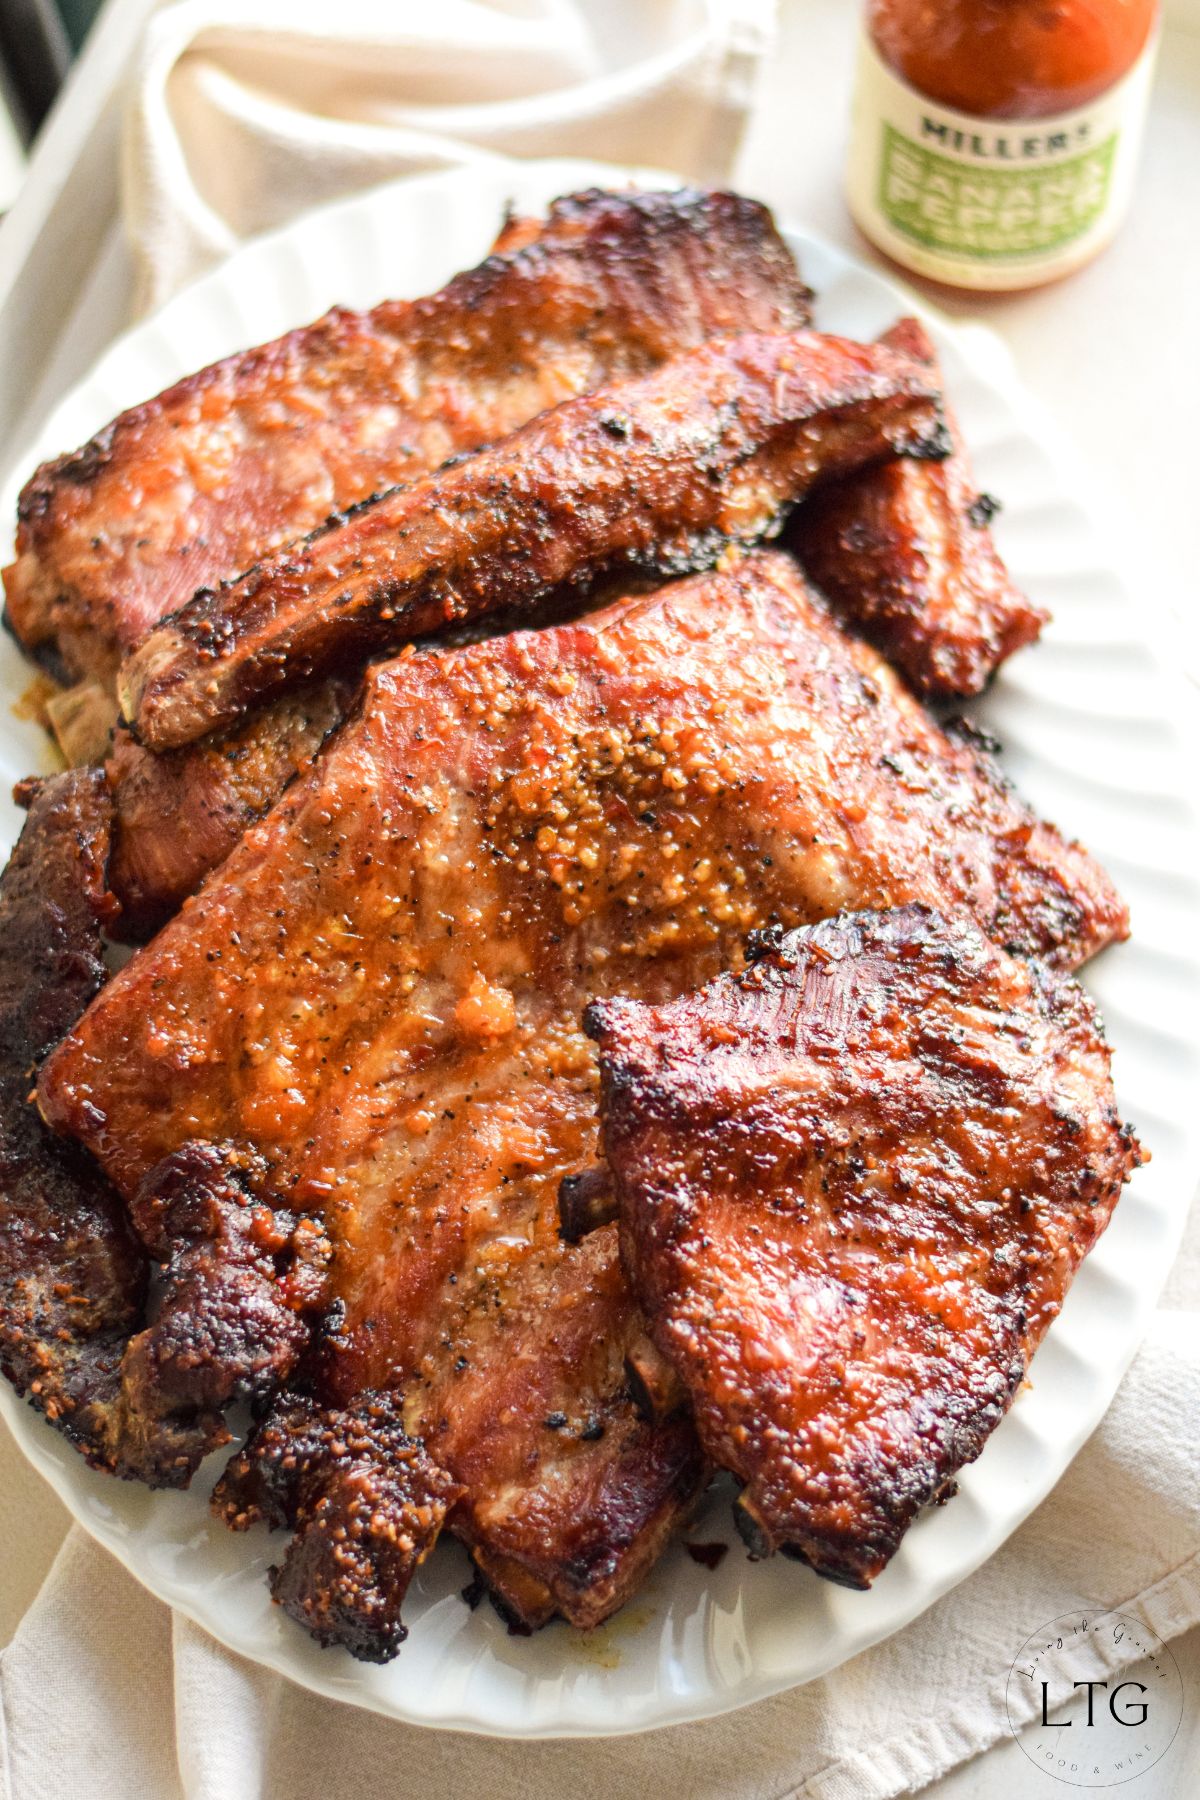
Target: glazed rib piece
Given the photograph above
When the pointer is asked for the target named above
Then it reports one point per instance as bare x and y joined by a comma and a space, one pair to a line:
836, 785
653, 475
905, 555
366, 1505
855, 1182
380, 992
193, 487
136, 1374
177, 816
512, 1353
239, 1285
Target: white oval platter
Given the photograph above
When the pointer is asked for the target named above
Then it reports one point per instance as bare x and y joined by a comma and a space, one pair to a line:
1094, 733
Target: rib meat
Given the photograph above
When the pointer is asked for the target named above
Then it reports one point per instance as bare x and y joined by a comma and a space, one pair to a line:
137, 1373
177, 816
133, 1356
237, 1286
905, 555
193, 487
855, 1182
366, 1505
379, 994
656, 474
72, 1275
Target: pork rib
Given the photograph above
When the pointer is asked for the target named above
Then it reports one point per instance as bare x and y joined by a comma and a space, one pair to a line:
193, 487
656, 474
136, 1372
239, 1285
855, 1182
72, 1274
380, 991
905, 555
366, 1505
177, 816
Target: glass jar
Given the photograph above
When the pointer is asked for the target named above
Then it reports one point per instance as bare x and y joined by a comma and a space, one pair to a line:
994, 142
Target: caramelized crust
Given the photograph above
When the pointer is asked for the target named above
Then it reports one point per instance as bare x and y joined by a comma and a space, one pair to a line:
225, 1306
193, 487
72, 1275
177, 816
236, 1287
855, 1182
905, 555
366, 1505
380, 991
653, 475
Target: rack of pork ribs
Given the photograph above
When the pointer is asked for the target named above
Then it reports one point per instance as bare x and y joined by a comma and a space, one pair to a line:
592, 1026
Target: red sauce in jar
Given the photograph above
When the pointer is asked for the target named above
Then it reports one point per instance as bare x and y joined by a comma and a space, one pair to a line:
1011, 59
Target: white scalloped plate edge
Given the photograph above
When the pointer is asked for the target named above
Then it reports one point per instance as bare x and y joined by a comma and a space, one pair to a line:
1097, 735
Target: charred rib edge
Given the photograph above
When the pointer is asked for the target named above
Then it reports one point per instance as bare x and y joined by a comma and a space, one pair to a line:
366, 1504
231, 1310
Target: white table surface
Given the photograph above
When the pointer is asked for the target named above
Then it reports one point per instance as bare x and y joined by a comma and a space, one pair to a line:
1111, 352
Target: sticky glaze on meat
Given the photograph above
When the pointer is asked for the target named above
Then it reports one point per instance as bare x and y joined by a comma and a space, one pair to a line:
380, 992
905, 554
855, 1182
654, 475
193, 487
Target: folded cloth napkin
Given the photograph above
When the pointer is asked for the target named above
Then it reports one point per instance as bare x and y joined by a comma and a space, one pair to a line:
245, 113
103, 1693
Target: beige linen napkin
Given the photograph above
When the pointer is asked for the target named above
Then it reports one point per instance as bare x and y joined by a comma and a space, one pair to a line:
245, 112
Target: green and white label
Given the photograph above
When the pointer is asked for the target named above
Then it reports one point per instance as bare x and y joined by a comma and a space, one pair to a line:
990, 203
1001, 213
